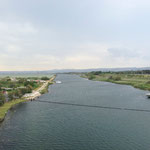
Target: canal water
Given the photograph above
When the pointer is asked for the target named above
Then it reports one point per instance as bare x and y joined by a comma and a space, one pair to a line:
48, 126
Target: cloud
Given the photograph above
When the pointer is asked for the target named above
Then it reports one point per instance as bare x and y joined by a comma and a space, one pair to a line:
123, 52
14, 36
42, 35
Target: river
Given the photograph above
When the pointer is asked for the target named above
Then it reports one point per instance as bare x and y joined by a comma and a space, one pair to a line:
41, 125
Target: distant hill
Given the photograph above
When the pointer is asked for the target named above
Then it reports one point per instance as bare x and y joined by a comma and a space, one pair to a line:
48, 72
99, 69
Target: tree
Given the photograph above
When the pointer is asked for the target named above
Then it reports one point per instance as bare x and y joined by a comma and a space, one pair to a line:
0, 87
117, 78
91, 77
18, 93
44, 78
29, 89
12, 85
2, 98
22, 80
96, 72
26, 83
11, 96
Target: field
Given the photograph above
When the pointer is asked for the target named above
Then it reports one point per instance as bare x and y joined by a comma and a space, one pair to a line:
25, 75
141, 81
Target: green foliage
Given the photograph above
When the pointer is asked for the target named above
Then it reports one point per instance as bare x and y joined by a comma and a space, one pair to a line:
18, 93
91, 77
29, 89
96, 72
12, 85
7, 106
114, 78
11, 96
148, 82
141, 81
22, 80
110, 78
2, 98
117, 78
45, 90
33, 78
44, 78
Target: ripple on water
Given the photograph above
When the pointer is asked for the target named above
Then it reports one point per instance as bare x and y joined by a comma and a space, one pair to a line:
42, 126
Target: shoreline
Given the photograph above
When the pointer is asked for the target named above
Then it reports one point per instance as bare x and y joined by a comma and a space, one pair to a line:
8, 105
41, 90
117, 82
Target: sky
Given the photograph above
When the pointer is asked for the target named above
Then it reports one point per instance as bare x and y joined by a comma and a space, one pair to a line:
74, 34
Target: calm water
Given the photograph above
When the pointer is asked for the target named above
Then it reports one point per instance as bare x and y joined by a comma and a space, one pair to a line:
45, 126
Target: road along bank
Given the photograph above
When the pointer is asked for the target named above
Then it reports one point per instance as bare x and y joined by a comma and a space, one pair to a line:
29, 96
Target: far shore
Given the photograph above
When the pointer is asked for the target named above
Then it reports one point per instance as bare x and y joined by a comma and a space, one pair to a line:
140, 81
31, 96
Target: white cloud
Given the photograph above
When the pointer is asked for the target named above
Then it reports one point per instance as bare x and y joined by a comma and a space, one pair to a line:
17, 29
123, 52
14, 36
113, 33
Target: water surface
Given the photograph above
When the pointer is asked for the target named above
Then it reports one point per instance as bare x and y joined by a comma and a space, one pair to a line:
45, 126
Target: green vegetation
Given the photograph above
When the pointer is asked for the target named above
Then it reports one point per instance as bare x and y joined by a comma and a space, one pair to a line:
45, 90
7, 106
141, 81
2, 99
14, 88
45, 78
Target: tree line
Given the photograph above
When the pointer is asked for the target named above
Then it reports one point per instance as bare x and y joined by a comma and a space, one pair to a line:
10, 90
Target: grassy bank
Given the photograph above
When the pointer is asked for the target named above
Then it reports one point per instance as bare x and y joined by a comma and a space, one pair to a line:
6, 106
45, 90
51, 81
4, 109
135, 80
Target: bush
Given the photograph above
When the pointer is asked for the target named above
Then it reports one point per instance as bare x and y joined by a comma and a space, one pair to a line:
148, 82
110, 77
18, 93
44, 78
117, 78
29, 89
91, 77
11, 96
96, 72
2, 98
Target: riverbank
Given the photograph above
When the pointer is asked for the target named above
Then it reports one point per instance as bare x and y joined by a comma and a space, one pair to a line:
4, 109
135, 80
36, 93
44, 126
41, 90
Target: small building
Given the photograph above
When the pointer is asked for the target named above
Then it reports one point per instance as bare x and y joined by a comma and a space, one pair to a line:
6, 89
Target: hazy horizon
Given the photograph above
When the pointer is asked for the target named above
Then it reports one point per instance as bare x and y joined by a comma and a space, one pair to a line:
45, 35
84, 69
